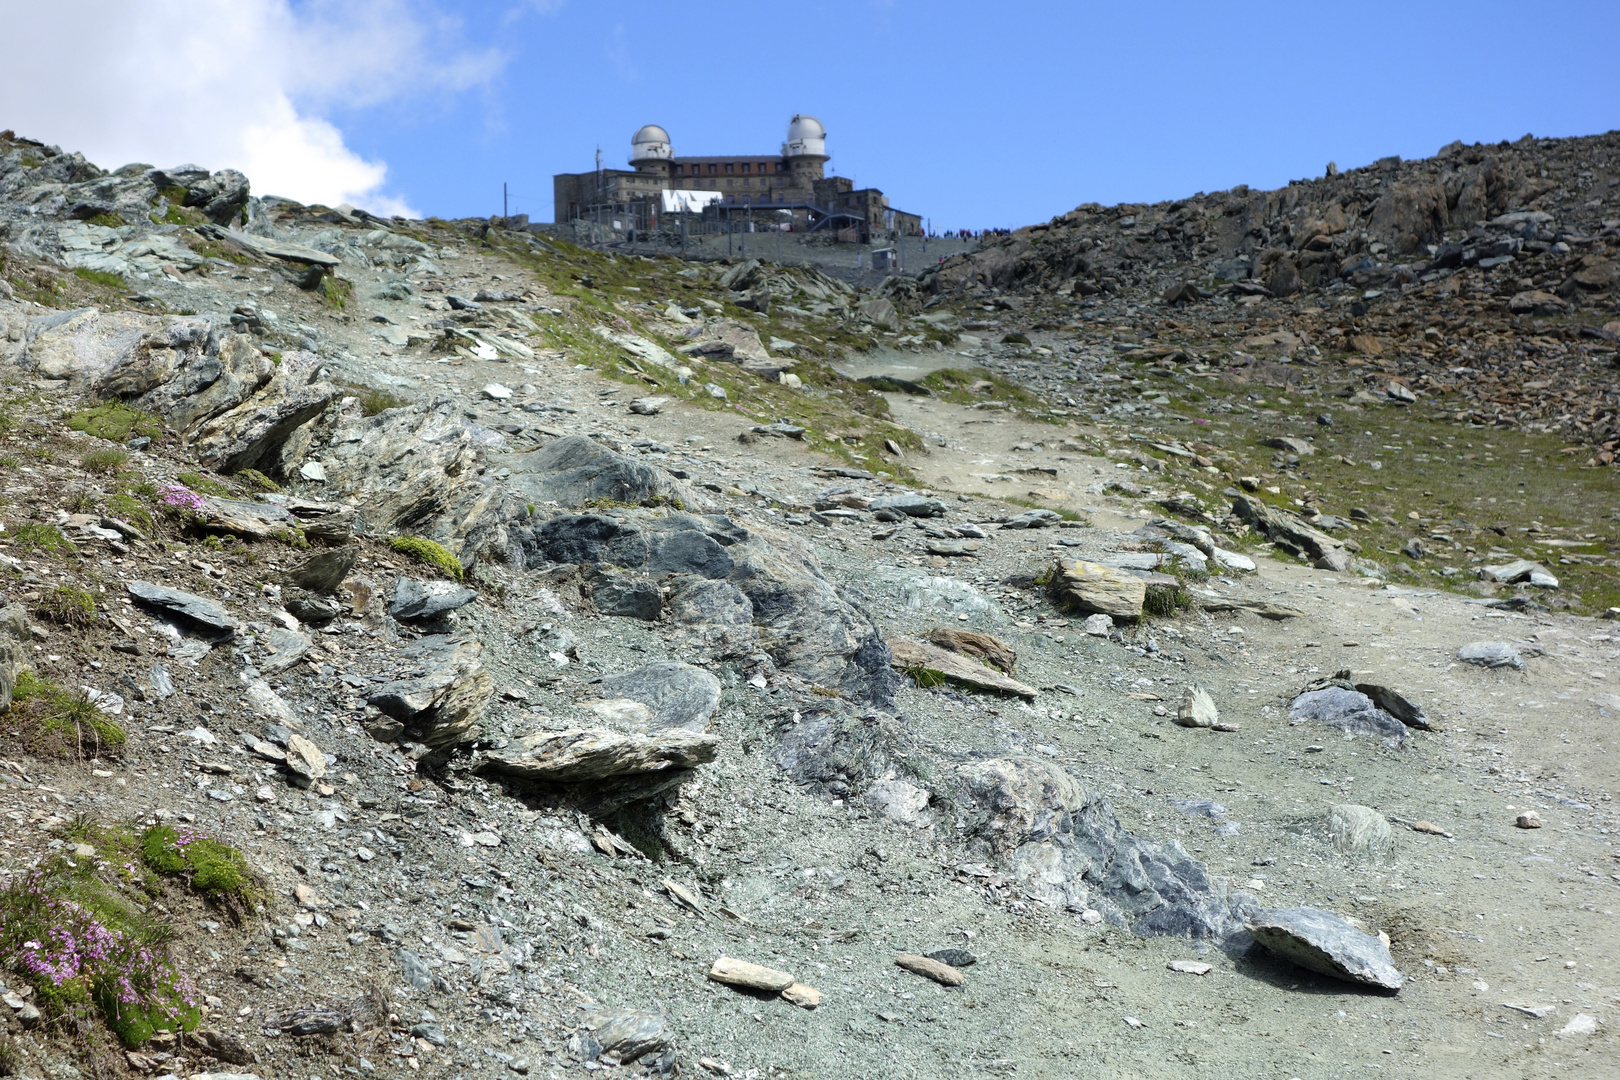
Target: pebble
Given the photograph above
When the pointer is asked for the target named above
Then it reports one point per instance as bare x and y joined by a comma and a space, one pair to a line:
944, 974
1190, 967
750, 976
1529, 819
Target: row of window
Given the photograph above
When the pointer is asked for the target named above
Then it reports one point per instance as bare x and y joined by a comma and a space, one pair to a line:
697, 170
729, 183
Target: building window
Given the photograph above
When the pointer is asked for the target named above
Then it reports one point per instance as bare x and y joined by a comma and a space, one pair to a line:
711, 170
762, 167
745, 167
728, 166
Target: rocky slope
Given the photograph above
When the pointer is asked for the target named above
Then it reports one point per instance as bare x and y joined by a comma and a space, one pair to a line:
573, 664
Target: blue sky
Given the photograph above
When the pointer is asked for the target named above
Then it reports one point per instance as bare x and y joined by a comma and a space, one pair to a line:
972, 114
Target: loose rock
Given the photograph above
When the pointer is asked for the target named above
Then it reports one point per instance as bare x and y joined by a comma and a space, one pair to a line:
1326, 944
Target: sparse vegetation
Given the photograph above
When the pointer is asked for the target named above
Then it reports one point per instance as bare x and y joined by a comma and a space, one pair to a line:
115, 422
68, 605
211, 866
428, 553
254, 480
104, 461
373, 402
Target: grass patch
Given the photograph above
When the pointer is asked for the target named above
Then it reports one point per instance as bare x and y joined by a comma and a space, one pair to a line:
428, 553
51, 721
373, 402
115, 422
36, 536
204, 485
104, 278
104, 461
127, 507
108, 220
68, 605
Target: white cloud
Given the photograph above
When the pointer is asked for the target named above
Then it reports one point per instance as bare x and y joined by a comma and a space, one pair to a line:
241, 84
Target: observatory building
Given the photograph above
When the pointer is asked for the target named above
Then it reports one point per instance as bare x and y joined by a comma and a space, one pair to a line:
788, 186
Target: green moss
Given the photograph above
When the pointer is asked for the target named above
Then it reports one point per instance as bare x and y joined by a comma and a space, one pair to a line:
36, 536
50, 720
108, 220
204, 485
68, 605
115, 422
104, 461
100, 277
429, 553
254, 480
211, 866
337, 292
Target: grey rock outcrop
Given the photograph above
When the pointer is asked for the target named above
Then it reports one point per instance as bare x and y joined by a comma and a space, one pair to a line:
1292, 535
417, 601
677, 695
1067, 849
1491, 654
325, 570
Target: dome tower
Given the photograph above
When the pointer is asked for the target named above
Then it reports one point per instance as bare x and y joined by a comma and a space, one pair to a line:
805, 150
650, 151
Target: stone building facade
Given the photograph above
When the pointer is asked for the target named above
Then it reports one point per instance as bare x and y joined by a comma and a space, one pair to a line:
789, 185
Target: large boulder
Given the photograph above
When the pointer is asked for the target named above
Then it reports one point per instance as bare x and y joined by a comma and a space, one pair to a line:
442, 703
1324, 943
13, 650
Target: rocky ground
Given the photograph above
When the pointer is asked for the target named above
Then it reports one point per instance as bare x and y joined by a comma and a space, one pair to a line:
556, 634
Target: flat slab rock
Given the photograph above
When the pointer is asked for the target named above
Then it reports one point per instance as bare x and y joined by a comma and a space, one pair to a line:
422, 601
200, 611
1324, 943
909, 655
1091, 588
581, 754
1491, 654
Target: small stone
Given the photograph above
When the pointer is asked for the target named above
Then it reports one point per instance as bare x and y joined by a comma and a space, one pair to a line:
956, 958
1358, 829
647, 406
305, 760
1190, 967
306, 896
1091, 916
1529, 819
1197, 709
496, 392
750, 976
1098, 625
944, 974
805, 997
1581, 1024
313, 470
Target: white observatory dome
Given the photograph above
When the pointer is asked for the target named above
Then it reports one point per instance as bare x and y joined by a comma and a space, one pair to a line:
651, 143
806, 138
